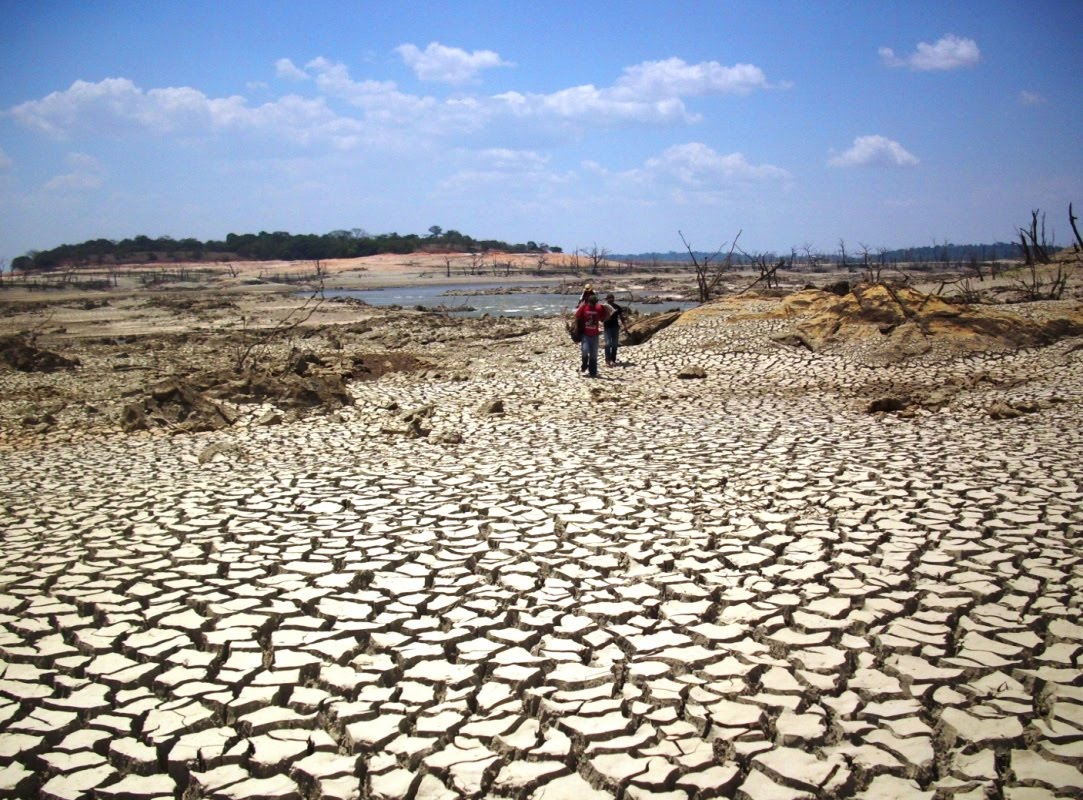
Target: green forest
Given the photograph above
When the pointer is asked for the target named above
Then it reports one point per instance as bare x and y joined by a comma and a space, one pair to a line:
262, 246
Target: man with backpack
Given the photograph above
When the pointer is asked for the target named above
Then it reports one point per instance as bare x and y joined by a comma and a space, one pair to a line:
589, 318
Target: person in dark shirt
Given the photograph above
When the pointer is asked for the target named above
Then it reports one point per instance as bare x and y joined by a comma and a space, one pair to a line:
614, 324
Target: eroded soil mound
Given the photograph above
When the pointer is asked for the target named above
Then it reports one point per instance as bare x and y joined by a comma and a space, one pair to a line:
895, 322
308, 383
178, 407
20, 353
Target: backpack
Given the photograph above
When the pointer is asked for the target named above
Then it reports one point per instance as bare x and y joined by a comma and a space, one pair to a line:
575, 330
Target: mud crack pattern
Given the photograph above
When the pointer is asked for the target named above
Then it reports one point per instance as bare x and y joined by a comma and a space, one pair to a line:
634, 587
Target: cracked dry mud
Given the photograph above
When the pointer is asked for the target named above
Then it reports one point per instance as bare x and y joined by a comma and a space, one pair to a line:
640, 586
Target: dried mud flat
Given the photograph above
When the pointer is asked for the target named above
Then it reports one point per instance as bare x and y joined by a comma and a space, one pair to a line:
769, 556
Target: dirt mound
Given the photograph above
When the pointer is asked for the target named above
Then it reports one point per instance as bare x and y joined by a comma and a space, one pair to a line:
898, 322
288, 390
307, 383
177, 406
20, 353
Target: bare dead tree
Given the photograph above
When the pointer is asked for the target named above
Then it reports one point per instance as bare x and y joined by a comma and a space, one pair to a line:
447, 263
976, 266
597, 255
870, 273
768, 273
1037, 283
708, 276
1032, 241
882, 259
1072, 219
256, 343
843, 263
477, 262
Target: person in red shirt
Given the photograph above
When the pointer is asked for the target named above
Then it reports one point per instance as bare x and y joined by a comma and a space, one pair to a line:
589, 318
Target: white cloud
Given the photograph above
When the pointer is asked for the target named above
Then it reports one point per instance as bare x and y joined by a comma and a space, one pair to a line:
381, 100
86, 173
284, 68
688, 173
116, 105
673, 78
650, 92
117, 102
1031, 99
591, 105
948, 52
438, 62
695, 165
379, 114
874, 151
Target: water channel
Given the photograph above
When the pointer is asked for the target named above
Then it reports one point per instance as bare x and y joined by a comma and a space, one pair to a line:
471, 300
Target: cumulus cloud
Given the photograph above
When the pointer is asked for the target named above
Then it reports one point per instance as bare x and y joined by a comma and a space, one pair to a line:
673, 78
690, 172
284, 68
650, 92
116, 102
347, 112
117, 105
591, 105
381, 100
948, 52
695, 165
453, 65
86, 173
874, 151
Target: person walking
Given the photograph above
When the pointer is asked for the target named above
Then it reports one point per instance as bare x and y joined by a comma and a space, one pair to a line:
589, 318
614, 324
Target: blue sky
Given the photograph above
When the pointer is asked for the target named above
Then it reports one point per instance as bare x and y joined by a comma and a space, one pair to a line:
572, 123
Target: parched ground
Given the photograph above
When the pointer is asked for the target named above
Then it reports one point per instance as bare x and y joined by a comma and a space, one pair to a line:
484, 576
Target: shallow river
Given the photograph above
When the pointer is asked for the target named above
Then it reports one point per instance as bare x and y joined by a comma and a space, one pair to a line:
532, 304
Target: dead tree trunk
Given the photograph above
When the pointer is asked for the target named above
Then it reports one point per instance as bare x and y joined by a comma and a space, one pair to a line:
1072, 219
1036, 252
706, 277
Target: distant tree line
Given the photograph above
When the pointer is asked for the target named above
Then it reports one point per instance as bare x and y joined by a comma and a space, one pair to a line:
931, 255
262, 246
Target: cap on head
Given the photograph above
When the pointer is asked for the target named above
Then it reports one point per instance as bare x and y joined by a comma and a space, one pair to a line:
593, 297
